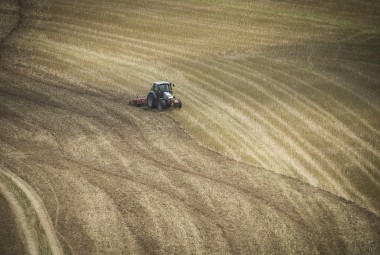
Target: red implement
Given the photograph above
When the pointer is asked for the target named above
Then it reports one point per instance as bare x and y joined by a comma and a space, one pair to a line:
138, 101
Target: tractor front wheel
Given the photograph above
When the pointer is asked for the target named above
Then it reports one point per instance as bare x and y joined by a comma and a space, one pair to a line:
161, 105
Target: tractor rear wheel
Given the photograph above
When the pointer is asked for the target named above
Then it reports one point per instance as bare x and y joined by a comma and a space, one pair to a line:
150, 101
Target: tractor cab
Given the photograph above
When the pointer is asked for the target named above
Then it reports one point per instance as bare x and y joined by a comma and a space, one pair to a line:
160, 87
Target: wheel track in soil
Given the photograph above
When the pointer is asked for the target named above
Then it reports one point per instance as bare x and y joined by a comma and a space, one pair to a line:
32, 242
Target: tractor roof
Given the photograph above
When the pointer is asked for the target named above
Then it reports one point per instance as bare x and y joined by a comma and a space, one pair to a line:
161, 82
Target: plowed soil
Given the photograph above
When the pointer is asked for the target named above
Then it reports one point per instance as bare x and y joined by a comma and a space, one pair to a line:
115, 179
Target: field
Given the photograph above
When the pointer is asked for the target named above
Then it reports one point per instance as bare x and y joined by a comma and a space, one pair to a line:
275, 151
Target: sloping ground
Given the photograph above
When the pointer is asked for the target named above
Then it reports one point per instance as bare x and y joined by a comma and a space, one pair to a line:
289, 86
113, 184
116, 179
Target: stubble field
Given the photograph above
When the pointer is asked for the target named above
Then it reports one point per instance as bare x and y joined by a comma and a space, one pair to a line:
285, 92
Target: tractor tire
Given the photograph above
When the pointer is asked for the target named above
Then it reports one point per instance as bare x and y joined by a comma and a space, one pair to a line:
151, 101
161, 104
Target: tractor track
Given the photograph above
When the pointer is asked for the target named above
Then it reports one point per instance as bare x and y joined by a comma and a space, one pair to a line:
42, 216
191, 202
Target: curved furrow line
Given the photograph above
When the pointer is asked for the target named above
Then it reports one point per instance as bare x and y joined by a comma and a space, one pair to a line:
74, 79
280, 137
193, 204
317, 128
237, 131
48, 84
41, 214
349, 148
168, 190
92, 5
29, 241
188, 201
83, 70
66, 242
371, 176
131, 55
241, 142
296, 96
98, 214
133, 50
206, 17
240, 132
94, 35
277, 208
273, 142
352, 190
238, 101
47, 62
40, 175
333, 166
334, 80
338, 85
337, 8
271, 13
147, 141
151, 46
122, 29
192, 213
93, 28
191, 25
212, 133
326, 95
229, 109
261, 157
322, 113
319, 76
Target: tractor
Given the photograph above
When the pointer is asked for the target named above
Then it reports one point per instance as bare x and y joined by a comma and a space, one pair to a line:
160, 96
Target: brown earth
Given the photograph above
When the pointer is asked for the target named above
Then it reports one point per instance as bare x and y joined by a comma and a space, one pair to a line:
11, 243
121, 180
